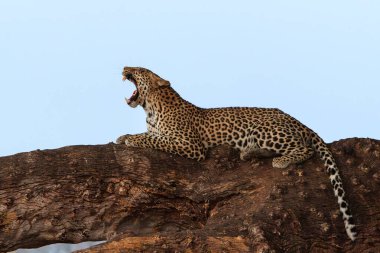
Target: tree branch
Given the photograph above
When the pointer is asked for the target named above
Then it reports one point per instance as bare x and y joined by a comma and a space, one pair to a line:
146, 200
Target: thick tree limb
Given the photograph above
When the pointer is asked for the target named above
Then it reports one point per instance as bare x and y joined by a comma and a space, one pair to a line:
145, 200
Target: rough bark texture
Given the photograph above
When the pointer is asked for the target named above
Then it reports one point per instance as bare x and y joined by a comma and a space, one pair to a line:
145, 201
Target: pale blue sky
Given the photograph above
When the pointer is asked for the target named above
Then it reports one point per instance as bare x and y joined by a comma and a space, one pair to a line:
61, 61
60, 64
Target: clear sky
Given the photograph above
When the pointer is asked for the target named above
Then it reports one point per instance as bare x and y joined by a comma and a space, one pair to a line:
61, 63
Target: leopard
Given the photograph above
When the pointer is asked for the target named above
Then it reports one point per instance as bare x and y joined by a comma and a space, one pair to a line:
177, 126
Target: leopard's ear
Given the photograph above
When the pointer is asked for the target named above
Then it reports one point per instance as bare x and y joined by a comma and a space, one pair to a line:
159, 81
163, 82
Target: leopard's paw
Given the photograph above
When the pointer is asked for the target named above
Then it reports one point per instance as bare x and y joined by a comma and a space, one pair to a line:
122, 139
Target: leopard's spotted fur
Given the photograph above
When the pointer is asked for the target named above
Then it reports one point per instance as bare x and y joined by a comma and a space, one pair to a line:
177, 126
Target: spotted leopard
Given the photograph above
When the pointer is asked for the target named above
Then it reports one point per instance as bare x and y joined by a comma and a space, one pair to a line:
179, 127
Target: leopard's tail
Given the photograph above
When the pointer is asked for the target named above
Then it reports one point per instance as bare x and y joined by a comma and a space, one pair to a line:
336, 181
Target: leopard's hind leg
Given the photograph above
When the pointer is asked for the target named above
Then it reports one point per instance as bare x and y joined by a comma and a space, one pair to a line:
292, 156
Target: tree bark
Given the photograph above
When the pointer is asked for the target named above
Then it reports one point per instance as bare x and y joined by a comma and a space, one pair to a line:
142, 200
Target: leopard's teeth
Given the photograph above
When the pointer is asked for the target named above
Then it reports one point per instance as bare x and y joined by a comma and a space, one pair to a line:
124, 78
126, 100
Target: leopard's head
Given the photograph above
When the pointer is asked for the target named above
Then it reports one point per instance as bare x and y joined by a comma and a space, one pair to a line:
145, 81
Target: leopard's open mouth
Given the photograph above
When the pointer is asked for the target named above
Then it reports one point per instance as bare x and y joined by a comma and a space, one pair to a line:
135, 94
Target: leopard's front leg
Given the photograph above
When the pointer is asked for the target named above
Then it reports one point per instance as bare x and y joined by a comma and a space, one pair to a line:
190, 148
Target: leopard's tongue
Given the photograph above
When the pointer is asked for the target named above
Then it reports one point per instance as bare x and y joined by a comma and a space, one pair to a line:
134, 96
